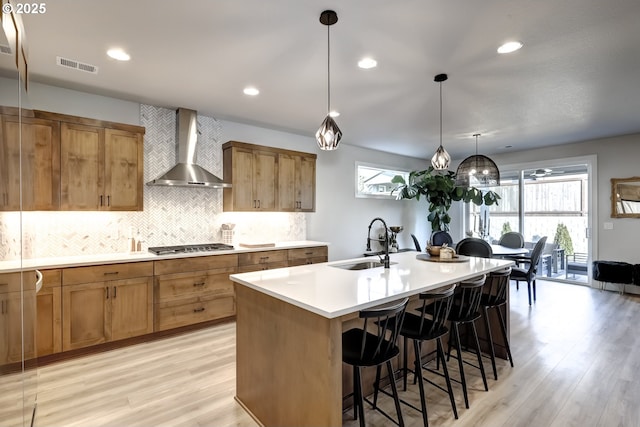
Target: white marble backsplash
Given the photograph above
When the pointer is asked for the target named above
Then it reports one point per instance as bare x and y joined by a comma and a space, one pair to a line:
171, 216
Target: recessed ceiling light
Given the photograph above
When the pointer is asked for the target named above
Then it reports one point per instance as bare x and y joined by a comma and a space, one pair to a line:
334, 113
118, 54
509, 47
251, 91
367, 63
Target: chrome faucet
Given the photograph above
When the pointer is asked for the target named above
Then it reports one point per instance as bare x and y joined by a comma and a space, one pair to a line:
386, 241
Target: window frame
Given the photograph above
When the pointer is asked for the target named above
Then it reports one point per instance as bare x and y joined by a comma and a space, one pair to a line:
382, 169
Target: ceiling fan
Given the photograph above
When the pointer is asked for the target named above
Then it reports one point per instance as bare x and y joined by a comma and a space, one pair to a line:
542, 172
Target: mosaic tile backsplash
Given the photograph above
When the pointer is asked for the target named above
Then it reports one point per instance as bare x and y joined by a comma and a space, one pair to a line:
171, 216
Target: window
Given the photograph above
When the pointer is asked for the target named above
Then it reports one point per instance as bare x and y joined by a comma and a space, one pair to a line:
374, 181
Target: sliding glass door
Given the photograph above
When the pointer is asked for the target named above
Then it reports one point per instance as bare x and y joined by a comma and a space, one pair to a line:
551, 200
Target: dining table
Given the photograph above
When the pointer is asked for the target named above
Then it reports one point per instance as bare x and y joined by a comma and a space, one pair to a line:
501, 251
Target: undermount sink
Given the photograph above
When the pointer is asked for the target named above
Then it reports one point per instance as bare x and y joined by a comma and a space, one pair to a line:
363, 265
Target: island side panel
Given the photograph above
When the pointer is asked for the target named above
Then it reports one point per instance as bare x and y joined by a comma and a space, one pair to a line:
289, 364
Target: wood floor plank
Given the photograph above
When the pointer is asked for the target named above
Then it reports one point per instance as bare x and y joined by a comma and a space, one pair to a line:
575, 353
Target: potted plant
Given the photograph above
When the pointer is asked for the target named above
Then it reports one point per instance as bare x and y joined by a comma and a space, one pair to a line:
563, 239
440, 190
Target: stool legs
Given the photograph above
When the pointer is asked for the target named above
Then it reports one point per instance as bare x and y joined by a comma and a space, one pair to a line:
492, 352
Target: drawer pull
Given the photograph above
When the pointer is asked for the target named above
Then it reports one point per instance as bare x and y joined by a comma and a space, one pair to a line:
111, 273
308, 253
198, 310
199, 284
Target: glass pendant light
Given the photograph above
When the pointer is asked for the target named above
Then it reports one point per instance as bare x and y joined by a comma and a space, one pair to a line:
329, 134
477, 171
441, 158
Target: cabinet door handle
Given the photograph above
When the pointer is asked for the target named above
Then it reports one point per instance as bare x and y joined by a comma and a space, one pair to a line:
198, 310
254, 204
115, 292
258, 203
108, 200
101, 200
107, 291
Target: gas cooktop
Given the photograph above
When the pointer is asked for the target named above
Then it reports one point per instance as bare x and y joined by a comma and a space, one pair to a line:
181, 249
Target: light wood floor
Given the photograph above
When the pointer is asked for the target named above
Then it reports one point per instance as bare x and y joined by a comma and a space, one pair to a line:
576, 353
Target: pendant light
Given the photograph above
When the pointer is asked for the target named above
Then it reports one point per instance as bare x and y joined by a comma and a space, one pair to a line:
329, 134
441, 158
477, 170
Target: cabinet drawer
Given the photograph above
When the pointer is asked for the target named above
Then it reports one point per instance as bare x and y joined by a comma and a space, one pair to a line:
262, 257
212, 262
306, 253
10, 282
205, 283
193, 310
101, 273
304, 261
51, 278
263, 266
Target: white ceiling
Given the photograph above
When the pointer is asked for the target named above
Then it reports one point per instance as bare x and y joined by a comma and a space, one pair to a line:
577, 77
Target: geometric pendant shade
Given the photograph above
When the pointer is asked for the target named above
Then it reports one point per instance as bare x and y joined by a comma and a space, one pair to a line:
441, 159
329, 134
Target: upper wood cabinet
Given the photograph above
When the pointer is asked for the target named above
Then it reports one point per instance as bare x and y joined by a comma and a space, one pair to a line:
253, 173
69, 162
101, 168
296, 182
268, 179
39, 171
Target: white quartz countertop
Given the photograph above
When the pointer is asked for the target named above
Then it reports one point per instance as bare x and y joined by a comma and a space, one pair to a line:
333, 292
116, 258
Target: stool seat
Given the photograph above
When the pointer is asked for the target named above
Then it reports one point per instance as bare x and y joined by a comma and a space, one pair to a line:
352, 353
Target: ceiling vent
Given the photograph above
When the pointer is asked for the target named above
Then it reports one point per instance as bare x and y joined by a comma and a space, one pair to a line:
76, 65
5, 49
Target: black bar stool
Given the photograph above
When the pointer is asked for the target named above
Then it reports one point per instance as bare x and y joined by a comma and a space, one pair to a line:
465, 311
360, 347
494, 297
430, 325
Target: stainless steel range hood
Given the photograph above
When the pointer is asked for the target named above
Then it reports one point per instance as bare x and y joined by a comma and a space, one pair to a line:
186, 173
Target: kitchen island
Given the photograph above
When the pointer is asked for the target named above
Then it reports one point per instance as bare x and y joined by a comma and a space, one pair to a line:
289, 324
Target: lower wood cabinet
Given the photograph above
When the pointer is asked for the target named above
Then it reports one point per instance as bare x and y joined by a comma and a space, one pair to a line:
193, 290
17, 293
79, 307
118, 306
49, 314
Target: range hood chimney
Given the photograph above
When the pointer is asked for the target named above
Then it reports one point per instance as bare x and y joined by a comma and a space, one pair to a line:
186, 173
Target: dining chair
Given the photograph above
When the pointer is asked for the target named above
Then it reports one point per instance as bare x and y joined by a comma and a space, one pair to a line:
375, 344
439, 238
416, 243
530, 269
472, 246
512, 239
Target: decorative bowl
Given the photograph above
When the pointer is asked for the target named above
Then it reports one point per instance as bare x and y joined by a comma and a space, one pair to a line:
434, 250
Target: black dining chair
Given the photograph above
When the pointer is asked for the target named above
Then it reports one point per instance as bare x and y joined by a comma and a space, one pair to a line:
361, 347
528, 272
472, 246
512, 239
416, 243
494, 297
439, 238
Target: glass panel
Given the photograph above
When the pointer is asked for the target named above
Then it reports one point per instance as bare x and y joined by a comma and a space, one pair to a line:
375, 181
